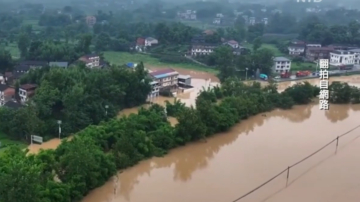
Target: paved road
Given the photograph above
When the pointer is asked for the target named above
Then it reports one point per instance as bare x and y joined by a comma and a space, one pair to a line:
331, 73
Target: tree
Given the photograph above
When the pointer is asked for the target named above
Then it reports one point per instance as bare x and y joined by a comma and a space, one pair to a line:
83, 166
6, 62
23, 44
190, 127
22, 175
257, 44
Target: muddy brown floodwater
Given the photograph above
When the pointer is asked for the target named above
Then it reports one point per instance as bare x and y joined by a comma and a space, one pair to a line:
233, 163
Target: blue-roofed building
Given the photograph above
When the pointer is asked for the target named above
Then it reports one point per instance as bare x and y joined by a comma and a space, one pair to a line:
166, 78
131, 65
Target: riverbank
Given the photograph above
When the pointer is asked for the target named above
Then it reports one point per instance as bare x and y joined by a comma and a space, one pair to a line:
199, 171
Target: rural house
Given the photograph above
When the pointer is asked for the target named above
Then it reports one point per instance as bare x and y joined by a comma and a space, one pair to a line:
6, 94
26, 91
342, 47
202, 49
315, 53
232, 43
140, 44
167, 79
149, 41
25, 66
217, 21
187, 15
91, 61
296, 49
357, 55
12, 77
208, 32
184, 80
155, 89
313, 45
281, 64
342, 57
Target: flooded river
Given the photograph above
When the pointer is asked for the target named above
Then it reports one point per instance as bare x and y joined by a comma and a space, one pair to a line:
229, 165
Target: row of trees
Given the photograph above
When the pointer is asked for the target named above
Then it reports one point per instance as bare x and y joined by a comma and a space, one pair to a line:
77, 96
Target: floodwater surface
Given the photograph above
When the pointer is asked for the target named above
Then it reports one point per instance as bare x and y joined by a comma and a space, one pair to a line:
230, 164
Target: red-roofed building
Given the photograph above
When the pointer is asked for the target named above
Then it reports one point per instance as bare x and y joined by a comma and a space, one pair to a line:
26, 91
232, 43
140, 44
6, 93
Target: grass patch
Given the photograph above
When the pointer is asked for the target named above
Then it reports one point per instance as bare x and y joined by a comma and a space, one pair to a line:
35, 25
6, 142
301, 66
271, 47
14, 50
121, 58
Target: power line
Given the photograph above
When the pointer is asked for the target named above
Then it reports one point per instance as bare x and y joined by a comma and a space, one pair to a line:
287, 169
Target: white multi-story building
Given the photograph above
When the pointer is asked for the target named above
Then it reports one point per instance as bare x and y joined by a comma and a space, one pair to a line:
356, 55
202, 50
165, 78
155, 89
217, 21
296, 49
91, 60
342, 57
26, 91
252, 21
281, 64
265, 21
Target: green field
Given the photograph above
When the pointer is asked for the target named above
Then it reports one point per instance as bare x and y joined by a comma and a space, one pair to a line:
121, 58
301, 66
35, 25
5, 142
14, 50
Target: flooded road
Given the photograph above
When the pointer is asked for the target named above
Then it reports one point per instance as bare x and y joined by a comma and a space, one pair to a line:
231, 164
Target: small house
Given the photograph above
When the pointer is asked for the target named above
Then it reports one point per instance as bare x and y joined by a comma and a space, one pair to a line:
184, 80
149, 41
26, 91
91, 60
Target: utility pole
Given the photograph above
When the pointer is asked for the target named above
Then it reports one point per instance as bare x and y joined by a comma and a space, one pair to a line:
59, 123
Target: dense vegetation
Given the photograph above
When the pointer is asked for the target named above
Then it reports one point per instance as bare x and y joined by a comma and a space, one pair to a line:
77, 96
